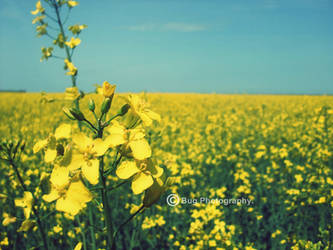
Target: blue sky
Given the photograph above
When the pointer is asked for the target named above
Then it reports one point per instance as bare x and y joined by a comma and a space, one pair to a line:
236, 46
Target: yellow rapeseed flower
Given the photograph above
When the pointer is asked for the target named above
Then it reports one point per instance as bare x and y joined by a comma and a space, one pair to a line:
8, 219
26, 203
77, 28
133, 139
142, 173
39, 9
38, 19
71, 195
72, 4
73, 42
72, 70
86, 154
50, 144
139, 109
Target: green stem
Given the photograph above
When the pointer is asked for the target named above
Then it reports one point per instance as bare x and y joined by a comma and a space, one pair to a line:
123, 224
69, 56
117, 186
34, 210
108, 122
91, 227
106, 208
82, 233
91, 125
62, 31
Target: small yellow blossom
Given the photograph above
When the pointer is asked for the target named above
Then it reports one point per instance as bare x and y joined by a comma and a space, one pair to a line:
38, 19
26, 203
76, 29
46, 53
39, 9
298, 178
72, 4
74, 42
72, 70
8, 219
41, 29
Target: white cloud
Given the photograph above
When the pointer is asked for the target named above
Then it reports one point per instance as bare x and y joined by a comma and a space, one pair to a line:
172, 26
142, 27
183, 27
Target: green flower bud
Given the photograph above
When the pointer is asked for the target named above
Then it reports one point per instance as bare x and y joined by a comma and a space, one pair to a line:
78, 115
106, 105
91, 105
68, 113
124, 109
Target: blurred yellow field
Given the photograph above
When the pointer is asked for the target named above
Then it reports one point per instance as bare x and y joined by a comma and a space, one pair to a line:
273, 151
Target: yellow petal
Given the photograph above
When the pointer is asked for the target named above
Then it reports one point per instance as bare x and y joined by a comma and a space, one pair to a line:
154, 170
114, 140
63, 131
141, 182
147, 121
50, 155
77, 191
90, 171
127, 169
82, 141
117, 135
8, 219
39, 145
52, 196
26, 203
100, 146
78, 246
68, 206
76, 198
59, 177
137, 134
77, 161
152, 115
140, 149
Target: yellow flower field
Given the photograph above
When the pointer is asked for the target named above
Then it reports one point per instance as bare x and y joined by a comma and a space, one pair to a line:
250, 172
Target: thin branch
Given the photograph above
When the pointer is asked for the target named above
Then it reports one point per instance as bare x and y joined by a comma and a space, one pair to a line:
50, 36
51, 17
58, 57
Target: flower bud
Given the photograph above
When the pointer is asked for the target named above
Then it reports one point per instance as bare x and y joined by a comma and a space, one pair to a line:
91, 105
124, 109
68, 113
108, 89
153, 194
78, 115
106, 105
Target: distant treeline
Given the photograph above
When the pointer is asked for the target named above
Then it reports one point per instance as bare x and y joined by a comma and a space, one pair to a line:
15, 91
